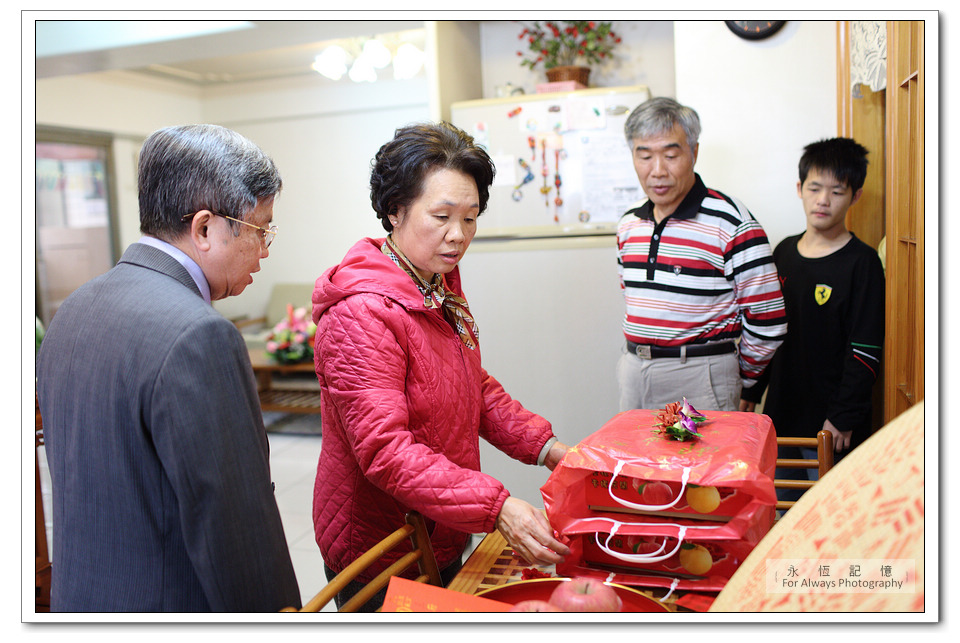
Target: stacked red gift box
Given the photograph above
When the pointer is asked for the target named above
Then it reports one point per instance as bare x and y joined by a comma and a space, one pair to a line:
638, 507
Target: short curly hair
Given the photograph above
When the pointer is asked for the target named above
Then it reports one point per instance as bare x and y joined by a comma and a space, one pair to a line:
402, 165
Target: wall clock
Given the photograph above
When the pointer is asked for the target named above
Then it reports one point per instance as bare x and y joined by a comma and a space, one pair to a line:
754, 29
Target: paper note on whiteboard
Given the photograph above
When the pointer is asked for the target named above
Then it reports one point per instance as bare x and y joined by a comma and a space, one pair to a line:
506, 165
610, 184
584, 114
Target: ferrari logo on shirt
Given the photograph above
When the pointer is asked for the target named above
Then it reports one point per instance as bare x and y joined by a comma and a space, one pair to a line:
822, 293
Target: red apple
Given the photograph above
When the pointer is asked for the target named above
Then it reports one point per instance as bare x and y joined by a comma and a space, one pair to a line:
534, 606
585, 595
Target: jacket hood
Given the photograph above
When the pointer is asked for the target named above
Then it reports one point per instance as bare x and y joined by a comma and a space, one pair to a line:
365, 269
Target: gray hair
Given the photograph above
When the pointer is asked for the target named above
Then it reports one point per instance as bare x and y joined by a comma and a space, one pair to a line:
659, 116
189, 168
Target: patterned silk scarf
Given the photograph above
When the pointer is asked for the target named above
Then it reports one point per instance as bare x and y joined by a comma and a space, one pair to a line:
454, 308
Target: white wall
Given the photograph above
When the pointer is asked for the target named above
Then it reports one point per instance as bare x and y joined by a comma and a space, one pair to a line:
777, 95
130, 109
759, 104
115, 102
323, 137
549, 318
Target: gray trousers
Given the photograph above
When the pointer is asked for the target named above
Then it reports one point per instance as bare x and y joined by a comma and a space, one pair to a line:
710, 382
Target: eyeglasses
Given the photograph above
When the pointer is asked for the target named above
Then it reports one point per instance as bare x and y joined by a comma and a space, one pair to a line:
267, 234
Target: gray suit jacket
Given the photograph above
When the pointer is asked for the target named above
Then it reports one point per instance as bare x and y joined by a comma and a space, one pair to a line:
162, 498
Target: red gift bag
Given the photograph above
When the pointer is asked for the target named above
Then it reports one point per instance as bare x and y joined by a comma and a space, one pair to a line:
654, 551
628, 466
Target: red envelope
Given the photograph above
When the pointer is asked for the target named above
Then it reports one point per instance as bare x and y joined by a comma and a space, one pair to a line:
405, 595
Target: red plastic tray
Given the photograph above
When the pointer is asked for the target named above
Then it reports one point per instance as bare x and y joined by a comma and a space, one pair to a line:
541, 589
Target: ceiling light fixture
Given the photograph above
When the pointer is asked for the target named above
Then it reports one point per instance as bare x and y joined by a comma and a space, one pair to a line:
408, 62
364, 56
362, 71
332, 63
376, 54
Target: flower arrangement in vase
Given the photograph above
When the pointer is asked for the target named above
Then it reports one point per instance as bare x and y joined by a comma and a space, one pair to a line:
560, 46
292, 338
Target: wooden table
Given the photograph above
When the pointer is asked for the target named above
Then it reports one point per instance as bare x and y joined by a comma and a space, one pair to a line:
494, 563
295, 391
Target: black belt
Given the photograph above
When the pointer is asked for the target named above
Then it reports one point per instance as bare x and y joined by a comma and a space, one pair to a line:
647, 351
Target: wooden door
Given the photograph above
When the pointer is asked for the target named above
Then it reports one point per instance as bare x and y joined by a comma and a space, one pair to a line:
861, 115
903, 353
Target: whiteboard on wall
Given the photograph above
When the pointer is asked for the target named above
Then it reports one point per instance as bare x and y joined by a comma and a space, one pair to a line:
563, 164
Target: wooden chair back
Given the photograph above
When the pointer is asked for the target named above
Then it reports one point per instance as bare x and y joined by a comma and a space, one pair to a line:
422, 555
823, 443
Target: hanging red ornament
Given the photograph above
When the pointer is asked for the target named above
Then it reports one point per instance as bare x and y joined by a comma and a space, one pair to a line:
557, 202
545, 190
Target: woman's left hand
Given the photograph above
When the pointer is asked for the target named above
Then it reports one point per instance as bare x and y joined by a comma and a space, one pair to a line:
555, 455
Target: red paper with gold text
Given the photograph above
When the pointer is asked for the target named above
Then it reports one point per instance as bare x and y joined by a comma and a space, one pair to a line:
404, 595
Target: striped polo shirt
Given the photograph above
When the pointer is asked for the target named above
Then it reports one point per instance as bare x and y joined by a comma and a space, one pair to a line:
703, 274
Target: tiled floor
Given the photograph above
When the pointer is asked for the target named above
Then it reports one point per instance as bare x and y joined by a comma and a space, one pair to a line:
293, 465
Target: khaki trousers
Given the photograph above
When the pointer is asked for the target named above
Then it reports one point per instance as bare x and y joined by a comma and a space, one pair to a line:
710, 382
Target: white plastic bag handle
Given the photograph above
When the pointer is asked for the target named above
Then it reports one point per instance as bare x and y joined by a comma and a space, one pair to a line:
642, 507
654, 557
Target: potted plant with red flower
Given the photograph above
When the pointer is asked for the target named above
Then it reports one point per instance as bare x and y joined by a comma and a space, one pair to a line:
561, 45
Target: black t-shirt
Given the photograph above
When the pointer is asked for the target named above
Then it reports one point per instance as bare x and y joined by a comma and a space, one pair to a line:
830, 359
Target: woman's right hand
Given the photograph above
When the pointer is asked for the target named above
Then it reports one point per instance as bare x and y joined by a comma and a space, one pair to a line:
527, 530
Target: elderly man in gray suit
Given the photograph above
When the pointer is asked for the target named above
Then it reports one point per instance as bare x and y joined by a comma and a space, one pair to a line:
162, 498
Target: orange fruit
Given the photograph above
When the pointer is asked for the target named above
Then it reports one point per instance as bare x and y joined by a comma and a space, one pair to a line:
703, 500
695, 559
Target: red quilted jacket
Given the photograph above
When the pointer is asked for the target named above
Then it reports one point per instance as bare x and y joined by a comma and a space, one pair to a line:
404, 403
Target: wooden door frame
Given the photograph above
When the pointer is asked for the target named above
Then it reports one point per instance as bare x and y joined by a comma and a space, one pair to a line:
905, 320
893, 131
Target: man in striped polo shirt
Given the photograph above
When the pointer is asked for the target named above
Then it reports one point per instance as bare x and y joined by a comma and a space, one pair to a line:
704, 312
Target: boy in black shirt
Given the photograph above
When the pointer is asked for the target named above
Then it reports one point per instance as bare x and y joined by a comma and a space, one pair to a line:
822, 375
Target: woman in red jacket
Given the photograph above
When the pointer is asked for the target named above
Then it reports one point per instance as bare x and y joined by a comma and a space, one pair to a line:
405, 398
